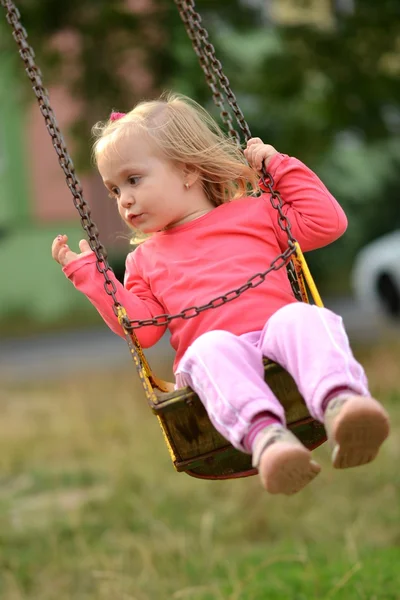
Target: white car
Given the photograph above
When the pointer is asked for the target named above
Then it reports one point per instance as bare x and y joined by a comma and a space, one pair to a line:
376, 276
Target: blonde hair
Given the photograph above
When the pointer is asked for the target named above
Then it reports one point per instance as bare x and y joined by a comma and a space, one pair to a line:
186, 133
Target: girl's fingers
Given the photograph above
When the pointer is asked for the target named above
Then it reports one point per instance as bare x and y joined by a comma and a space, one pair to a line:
252, 145
256, 156
252, 141
66, 256
60, 252
249, 154
256, 153
63, 239
259, 157
55, 249
57, 244
62, 255
84, 246
263, 154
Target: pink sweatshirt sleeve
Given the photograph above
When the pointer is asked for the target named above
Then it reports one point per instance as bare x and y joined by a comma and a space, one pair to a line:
317, 219
135, 296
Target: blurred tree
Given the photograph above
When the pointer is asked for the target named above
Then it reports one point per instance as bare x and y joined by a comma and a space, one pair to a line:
301, 86
327, 95
112, 53
316, 83
331, 97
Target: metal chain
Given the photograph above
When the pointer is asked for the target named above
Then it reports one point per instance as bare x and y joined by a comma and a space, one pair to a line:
285, 225
194, 31
193, 311
28, 56
35, 76
212, 68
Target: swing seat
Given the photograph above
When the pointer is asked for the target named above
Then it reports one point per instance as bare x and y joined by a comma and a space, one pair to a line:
198, 449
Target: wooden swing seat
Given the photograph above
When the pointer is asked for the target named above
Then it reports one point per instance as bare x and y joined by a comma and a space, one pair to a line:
197, 448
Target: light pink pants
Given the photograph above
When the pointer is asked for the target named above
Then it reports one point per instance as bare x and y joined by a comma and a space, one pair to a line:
227, 372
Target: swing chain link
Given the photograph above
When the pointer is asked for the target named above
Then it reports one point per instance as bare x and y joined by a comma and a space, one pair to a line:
284, 224
212, 69
28, 56
193, 311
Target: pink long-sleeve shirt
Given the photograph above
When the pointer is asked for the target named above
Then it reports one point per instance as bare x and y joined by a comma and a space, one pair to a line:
193, 263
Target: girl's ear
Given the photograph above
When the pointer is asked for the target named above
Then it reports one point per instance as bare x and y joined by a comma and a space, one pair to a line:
191, 174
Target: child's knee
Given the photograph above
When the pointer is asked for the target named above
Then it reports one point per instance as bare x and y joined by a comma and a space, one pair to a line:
304, 316
291, 313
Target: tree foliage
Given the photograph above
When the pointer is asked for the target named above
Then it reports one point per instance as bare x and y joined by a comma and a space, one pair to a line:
111, 44
328, 95
304, 85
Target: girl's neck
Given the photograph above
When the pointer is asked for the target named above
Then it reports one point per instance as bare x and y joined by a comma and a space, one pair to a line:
192, 217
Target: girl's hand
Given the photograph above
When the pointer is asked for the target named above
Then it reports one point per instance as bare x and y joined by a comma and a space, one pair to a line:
257, 152
62, 253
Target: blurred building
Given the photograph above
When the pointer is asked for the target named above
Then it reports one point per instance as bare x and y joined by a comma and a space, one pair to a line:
36, 205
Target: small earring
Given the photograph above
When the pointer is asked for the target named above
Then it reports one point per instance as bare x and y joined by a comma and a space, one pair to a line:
186, 185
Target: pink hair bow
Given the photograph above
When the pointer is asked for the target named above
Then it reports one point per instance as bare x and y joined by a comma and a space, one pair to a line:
116, 115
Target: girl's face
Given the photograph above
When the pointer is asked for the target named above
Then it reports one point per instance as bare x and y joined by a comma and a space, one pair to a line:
149, 189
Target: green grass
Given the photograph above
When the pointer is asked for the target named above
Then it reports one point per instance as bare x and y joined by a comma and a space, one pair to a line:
91, 508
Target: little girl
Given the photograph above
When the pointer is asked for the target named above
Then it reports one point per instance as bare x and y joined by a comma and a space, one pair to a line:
183, 186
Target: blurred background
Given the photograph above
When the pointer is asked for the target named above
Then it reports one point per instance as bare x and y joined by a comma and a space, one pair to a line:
88, 499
